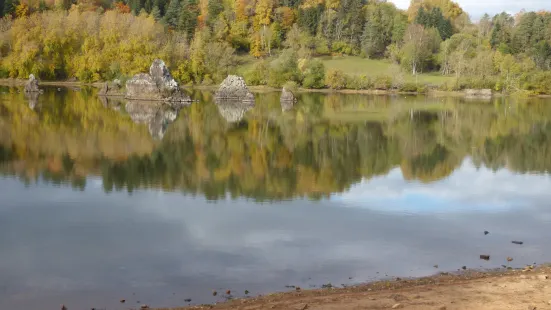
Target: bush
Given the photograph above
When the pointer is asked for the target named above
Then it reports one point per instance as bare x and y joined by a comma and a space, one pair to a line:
283, 69
314, 74
258, 74
291, 86
539, 83
382, 82
408, 87
358, 82
335, 79
343, 48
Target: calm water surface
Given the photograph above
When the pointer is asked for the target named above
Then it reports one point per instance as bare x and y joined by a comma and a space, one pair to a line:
105, 199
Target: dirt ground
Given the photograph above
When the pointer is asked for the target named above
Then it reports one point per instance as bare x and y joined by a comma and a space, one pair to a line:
495, 290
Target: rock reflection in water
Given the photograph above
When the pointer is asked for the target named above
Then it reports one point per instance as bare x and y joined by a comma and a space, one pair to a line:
233, 111
33, 99
156, 115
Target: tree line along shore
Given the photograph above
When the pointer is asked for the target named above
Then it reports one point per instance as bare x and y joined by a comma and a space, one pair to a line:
311, 44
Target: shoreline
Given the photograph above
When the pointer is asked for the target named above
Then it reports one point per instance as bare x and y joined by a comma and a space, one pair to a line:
10, 82
470, 289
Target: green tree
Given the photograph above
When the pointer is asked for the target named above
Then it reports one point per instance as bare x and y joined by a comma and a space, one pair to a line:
314, 74
187, 21
172, 15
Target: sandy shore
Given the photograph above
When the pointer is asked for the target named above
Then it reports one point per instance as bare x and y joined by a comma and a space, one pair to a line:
470, 290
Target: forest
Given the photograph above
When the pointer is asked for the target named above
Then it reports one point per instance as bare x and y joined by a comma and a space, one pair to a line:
277, 42
322, 147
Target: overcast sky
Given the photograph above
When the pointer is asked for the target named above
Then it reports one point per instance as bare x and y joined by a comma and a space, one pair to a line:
477, 8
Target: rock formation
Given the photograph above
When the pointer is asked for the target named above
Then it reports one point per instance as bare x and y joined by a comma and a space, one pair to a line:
158, 85
111, 89
32, 85
478, 93
234, 88
287, 99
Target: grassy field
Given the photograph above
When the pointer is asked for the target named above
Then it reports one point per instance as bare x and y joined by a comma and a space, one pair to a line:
354, 65
373, 67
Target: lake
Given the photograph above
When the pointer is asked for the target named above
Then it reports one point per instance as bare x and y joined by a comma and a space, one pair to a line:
103, 199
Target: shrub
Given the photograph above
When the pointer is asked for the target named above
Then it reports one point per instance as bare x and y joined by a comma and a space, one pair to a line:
291, 86
539, 83
283, 69
258, 74
314, 74
343, 48
382, 82
409, 87
335, 79
358, 82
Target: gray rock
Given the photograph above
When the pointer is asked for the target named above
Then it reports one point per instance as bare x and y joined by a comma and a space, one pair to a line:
111, 89
32, 85
161, 76
158, 85
478, 93
287, 99
234, 88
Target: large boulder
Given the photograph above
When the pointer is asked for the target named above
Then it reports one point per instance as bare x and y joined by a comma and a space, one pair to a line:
158, 85
287, 99
234, 88
31, 86
162, 78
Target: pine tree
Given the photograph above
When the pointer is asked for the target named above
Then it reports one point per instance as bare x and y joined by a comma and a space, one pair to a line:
188, 17
148, 6
172, 13
215, 7
9, 7
156, 13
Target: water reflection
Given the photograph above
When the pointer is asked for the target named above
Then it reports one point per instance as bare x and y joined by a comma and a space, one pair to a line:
326, 144
406, 183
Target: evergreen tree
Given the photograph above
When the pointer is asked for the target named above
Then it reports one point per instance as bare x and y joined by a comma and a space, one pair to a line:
148, 6
156, 13
9, 7
188, 17
309, 18
215, 7
172, 13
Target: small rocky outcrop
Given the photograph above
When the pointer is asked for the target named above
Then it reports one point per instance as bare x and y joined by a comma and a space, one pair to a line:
111, 89
234, 88
31, 86
158, 85
287, 99
478, 93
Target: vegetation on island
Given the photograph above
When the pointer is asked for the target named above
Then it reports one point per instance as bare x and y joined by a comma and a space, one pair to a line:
273, 42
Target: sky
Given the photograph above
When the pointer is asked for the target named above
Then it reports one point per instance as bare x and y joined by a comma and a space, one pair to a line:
477, 8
